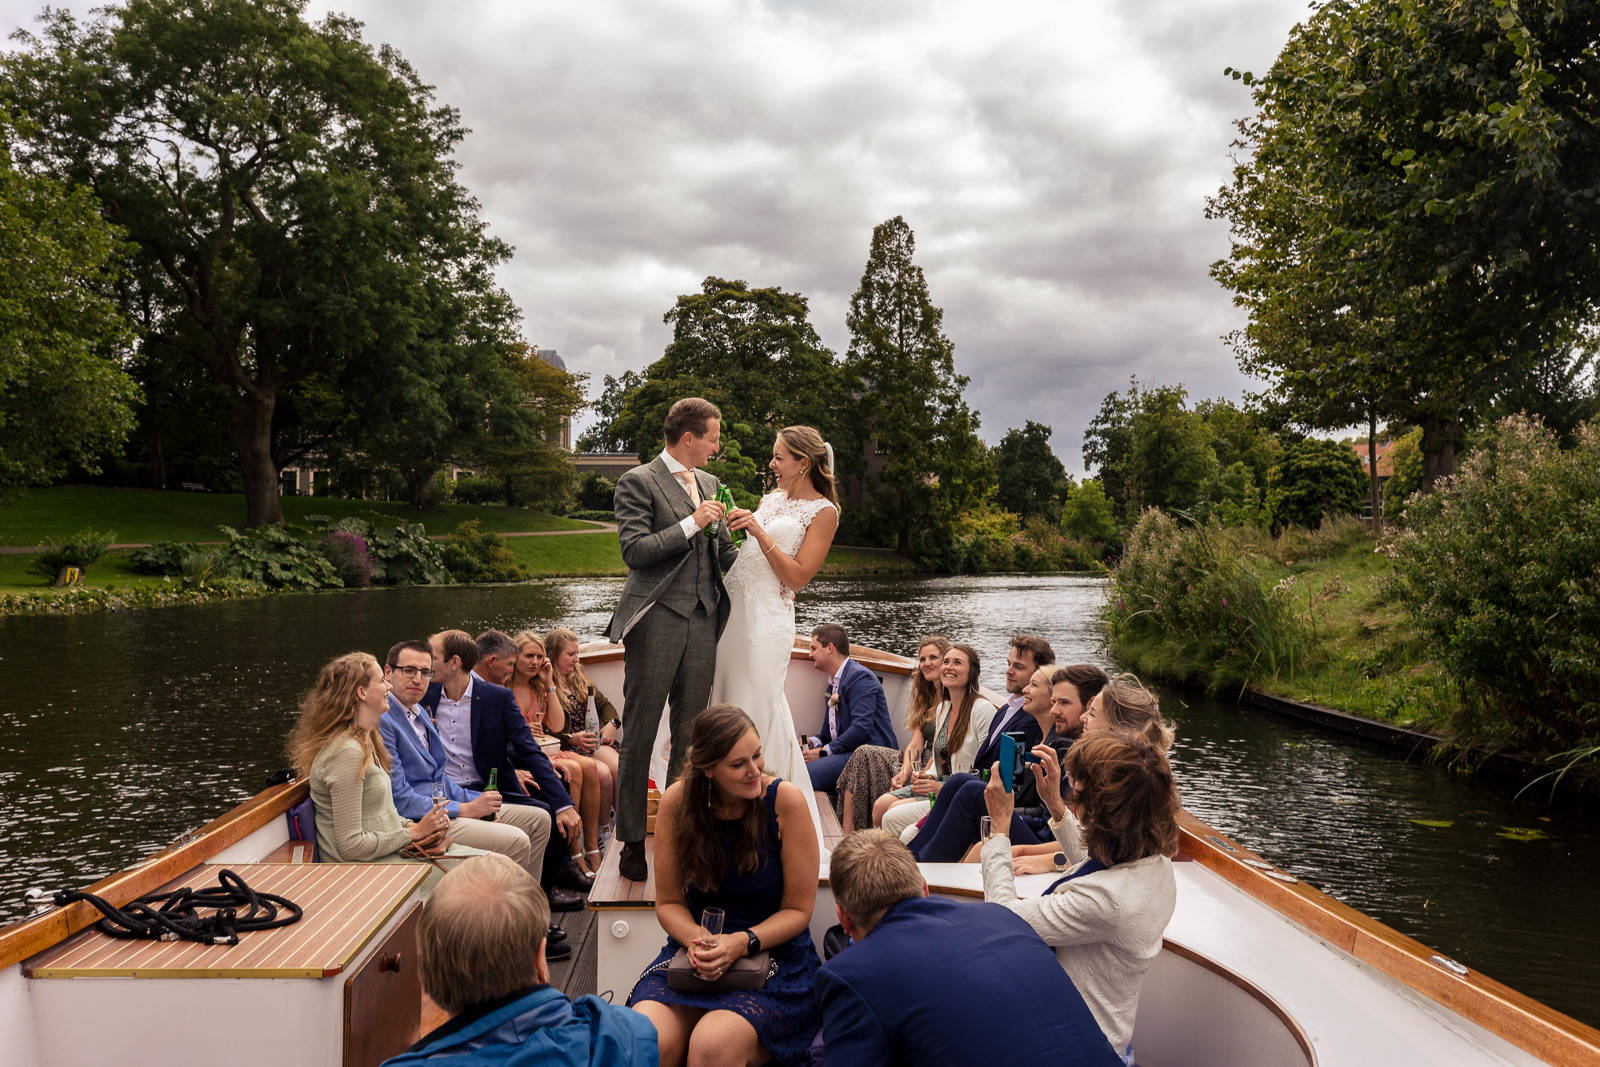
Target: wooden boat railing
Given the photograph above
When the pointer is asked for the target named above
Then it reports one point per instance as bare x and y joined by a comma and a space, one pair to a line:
1539, 1030
24, 939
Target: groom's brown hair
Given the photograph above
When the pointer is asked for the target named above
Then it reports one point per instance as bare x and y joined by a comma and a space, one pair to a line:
831, 633
689, 415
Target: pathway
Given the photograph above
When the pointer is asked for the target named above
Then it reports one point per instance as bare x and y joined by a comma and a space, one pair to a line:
596, 528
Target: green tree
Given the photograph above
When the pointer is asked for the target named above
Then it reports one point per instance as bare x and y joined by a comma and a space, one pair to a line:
1030, 479
753, 353
1087, 514
598, 437
293, 199
1316, 478
1413, 221
1150, 450
64, 397
910, 405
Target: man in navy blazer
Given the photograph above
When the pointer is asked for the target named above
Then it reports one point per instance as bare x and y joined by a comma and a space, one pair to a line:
857, 713
991, 988
1028, 653
482, 730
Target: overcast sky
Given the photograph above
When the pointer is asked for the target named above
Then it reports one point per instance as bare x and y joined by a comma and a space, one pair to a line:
1052, 157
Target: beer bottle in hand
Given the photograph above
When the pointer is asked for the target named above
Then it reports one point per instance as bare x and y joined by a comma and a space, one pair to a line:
725, 498
490, 787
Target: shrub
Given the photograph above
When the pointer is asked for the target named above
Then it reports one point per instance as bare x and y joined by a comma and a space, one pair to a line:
280, 557
1500, 568
80, 550
399, 553
348, 553
1315, 478
1185, 604
593, 516
470, 489
595, 492
163, 557
473, 556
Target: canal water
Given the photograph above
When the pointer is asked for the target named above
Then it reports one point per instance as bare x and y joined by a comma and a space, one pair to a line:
120, 731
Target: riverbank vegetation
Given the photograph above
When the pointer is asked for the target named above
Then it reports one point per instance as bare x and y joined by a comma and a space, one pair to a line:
1479, 619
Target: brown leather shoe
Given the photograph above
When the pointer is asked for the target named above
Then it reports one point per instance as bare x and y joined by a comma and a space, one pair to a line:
569, 877
563, 899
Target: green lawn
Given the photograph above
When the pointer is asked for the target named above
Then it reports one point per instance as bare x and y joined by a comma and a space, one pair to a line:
586, 554
113, 570
150, 515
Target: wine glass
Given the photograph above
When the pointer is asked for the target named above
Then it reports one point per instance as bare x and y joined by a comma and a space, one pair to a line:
711, 920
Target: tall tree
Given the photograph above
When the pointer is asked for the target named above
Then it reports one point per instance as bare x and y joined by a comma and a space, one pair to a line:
1150, 450
1030, 479
64, 396
291, 192
911, 404
614, 394
754, 353
1415, 220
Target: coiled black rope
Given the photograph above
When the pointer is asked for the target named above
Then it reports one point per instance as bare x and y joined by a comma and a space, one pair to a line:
237, 909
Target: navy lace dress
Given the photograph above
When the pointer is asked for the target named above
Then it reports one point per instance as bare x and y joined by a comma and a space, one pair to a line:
782, 1012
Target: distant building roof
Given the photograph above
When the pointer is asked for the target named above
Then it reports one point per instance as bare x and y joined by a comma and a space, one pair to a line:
550, 356
1385, 464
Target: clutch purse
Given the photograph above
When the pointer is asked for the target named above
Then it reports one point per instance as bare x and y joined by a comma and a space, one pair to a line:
747, 973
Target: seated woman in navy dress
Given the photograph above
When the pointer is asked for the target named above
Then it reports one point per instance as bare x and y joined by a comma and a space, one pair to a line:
730, 836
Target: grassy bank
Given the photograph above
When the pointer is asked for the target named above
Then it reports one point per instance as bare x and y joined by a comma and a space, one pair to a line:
1338, 638
143, 515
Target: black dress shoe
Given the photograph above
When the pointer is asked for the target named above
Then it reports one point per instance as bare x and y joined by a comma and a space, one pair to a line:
556, 935
632, 864
569, 877
563, 899
557, 950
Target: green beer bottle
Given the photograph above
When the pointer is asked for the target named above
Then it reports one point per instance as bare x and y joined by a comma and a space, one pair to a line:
725, 498
490, 787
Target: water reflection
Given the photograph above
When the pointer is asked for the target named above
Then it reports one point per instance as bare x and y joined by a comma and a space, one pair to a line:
120, 731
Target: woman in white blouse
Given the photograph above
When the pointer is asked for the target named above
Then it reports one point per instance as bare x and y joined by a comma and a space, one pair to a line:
1105, 916
960, 727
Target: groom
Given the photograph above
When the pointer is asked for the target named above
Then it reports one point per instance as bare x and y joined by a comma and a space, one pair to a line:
673, 607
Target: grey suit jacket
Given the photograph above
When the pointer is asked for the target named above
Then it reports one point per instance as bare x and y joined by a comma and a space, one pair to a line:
650, 503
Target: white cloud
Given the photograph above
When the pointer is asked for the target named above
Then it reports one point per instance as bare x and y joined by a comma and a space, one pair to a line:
1053, 159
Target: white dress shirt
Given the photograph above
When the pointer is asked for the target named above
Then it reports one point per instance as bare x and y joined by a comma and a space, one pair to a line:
687, 524
414, 716
1003, 716
454, 720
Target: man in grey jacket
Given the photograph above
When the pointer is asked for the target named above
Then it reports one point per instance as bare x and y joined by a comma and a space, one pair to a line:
673, 607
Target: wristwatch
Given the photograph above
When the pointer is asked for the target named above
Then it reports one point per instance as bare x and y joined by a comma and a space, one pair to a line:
1060, 860
755, 943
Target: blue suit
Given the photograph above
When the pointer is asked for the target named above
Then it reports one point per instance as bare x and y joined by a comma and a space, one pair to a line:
1021, 723
501, 741
416, 767
863, 719
993, 991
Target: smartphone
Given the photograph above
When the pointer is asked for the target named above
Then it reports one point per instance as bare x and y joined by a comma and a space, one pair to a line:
1010, 761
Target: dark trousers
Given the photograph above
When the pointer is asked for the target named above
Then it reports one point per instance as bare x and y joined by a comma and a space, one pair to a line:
671, 661
952, 826
825, 771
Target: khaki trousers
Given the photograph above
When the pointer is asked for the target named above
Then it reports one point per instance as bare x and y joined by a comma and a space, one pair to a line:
520, 831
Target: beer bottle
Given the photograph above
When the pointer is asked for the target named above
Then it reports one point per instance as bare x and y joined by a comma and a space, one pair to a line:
725, 498
490, 787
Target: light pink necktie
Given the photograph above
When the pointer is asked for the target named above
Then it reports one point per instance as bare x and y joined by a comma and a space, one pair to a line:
687, 478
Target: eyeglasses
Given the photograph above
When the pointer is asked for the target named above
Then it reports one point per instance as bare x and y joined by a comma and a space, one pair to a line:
414, 672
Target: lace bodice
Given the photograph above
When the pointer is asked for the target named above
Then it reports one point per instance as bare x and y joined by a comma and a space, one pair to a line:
786, 521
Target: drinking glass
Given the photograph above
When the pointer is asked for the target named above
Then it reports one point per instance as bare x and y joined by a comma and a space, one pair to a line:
711, 922
438, 794
985, 828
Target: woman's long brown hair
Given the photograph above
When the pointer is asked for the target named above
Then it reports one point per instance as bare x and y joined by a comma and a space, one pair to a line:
555, 642
328, 712
925, 695
961, 720
696, 837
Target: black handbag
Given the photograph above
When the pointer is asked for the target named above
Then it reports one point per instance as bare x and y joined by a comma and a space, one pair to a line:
749, 972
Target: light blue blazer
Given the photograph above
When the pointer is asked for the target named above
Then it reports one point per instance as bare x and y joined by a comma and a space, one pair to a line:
414, 768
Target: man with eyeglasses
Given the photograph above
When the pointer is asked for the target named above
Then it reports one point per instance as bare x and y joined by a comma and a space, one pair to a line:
417, 773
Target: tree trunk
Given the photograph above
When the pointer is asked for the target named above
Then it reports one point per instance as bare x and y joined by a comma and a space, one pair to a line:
1439, 439
417, 484
1372, 473
158, 462
250, 425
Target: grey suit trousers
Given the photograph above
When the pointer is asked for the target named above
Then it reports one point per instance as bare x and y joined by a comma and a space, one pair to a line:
670, 661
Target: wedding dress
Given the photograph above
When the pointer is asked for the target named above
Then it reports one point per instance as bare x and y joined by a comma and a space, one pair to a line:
753, 653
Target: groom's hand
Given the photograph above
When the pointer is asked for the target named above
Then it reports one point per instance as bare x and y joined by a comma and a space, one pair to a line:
707, 513
812, 754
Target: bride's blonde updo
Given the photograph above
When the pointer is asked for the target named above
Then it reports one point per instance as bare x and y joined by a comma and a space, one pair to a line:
805, 443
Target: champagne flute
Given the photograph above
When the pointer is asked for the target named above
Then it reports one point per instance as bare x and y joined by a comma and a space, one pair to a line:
711, 920
438, 796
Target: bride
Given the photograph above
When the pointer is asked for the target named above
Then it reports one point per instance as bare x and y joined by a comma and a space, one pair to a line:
787, 539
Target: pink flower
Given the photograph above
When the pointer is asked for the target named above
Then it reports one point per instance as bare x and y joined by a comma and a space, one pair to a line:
1224, 601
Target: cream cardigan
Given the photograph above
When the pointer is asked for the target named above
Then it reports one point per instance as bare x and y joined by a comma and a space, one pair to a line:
1106, 927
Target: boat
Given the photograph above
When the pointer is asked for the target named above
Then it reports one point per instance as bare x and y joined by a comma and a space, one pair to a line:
1258, 969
